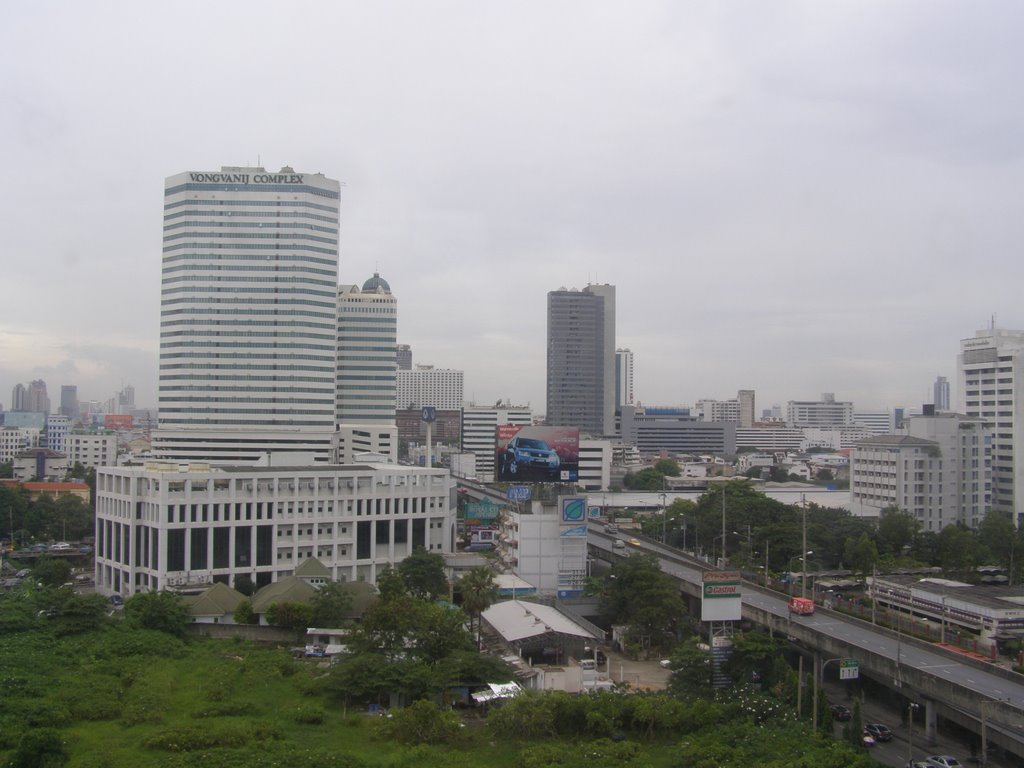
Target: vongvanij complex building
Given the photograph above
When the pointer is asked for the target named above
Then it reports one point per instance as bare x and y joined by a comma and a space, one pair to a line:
248, 315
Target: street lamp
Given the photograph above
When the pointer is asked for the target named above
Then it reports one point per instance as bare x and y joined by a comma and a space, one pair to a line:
664, 520
911, 709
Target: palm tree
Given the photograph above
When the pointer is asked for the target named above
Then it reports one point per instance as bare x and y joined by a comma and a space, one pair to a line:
479, 593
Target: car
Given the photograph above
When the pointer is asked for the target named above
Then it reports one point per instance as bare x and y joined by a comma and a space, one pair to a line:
841, 713
942, 761
634, 542
611, 528
618, 544
879, 732
116, 600
665, 663
917, 764
60, 546
866, 739
525, 453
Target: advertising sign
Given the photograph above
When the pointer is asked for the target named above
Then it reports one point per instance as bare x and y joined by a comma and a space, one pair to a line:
518, 493
574, 509
537, 454
722, 598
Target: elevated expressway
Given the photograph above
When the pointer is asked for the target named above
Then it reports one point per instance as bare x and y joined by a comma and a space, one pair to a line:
958, 688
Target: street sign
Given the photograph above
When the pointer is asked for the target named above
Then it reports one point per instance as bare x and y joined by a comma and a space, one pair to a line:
849, 669
518, 493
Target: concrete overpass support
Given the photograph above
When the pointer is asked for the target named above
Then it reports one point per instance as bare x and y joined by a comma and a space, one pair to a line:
931, 731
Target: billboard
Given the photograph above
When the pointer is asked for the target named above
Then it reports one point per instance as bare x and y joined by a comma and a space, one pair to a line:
537, 454
722, 598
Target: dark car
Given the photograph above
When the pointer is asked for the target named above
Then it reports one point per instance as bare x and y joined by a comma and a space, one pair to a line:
529, 453
841, 713
878, 731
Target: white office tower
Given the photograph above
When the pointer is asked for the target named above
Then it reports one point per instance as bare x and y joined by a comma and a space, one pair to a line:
990, 368
425, 385
367, 366
623, 377
248, 314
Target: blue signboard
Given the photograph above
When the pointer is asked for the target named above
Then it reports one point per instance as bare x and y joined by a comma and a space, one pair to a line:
428, 414
518, 493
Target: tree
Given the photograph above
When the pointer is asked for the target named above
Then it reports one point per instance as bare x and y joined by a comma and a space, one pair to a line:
958, 549
289, 615
860, 554
639, 594
754, 660
855, 729
244, 613
40, 748
424, 723
423, 574
332, 605
648, 479
77, 614
52, 571
162, 611
691, 670
478, 594
896, 530
668, 467
825, 475
245, 584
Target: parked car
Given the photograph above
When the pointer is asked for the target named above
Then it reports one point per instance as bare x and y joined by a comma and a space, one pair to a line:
917, 764
879, 732
942, 761
841, 713
60, 546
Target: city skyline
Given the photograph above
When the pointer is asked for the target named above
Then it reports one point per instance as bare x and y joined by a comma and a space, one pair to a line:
791, 199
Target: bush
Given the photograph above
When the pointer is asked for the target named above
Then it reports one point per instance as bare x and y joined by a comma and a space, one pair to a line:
192, 738
228, 709
423, 723
307, 714
39, 748
143, 707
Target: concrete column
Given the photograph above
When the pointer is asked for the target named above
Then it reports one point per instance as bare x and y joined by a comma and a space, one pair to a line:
930, 728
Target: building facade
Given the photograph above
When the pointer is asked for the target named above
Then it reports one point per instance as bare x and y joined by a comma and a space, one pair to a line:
940, 394
92, 449
403, 356
425, 385
367, 349
69, 401
623, 378
169, 525
480, 433
827, 412
581, 359
653, 430
939, 470
990, 368
248, 315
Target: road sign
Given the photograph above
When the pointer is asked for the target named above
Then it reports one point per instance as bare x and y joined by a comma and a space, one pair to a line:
849, 669
518, 493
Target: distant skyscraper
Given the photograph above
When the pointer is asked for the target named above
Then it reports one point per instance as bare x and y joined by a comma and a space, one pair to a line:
581, 359
248, 315
126, 399
69, 401
440, 388
367, 329
746, 401
623, 377
990, 368
19, 398
36, 399
941, 394
404, 356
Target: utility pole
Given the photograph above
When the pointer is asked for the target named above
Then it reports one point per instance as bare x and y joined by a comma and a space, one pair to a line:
803, 569
723, 526
984, 724
911, 709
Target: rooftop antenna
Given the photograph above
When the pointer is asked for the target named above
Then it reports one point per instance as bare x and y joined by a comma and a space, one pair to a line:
259, 162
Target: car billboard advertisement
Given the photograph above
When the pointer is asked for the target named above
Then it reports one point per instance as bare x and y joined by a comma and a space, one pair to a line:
537, 454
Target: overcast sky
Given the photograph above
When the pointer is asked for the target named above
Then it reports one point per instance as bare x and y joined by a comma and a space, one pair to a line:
793, 197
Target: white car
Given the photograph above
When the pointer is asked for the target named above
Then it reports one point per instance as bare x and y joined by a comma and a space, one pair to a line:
943, 761
666, 663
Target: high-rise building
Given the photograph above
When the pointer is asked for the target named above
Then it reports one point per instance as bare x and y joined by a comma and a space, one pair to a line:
440, 388
367, 329
69, 401
19, 398
623, 377
480, 432
36, 399
990, 368
745, 397
248, 315
940, 396
126, 399
581, 359
404, 357
827, 412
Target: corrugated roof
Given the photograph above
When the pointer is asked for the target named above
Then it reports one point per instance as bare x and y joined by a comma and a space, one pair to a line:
290, 589
218, 600
518, 620
312, 568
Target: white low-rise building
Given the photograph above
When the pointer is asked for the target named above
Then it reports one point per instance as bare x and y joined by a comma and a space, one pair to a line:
169, 524
92, 449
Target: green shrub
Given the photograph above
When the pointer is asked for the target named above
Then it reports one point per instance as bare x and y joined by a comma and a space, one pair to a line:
143, 707
422, 723
227, 709
191, 738
307, 714
40, 748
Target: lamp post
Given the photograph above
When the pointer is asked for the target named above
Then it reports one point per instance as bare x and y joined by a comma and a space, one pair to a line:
911, 709
750, 545
664, 520
724, 563
716, 538
942, 625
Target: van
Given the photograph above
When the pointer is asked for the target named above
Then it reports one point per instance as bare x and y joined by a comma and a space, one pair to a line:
802, 606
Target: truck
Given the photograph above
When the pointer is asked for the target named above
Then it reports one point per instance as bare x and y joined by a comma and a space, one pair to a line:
802, 606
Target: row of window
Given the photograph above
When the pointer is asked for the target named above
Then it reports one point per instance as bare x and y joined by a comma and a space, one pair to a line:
292, 189
202, 334
251, 224
218, 203
284, 280
243, 312
237, 238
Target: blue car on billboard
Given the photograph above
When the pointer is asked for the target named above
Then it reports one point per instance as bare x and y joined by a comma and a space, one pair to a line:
529, 456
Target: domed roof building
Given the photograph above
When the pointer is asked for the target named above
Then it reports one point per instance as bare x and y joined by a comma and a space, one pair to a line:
376, 284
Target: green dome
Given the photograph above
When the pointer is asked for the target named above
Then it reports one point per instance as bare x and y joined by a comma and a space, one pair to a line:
376, 283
